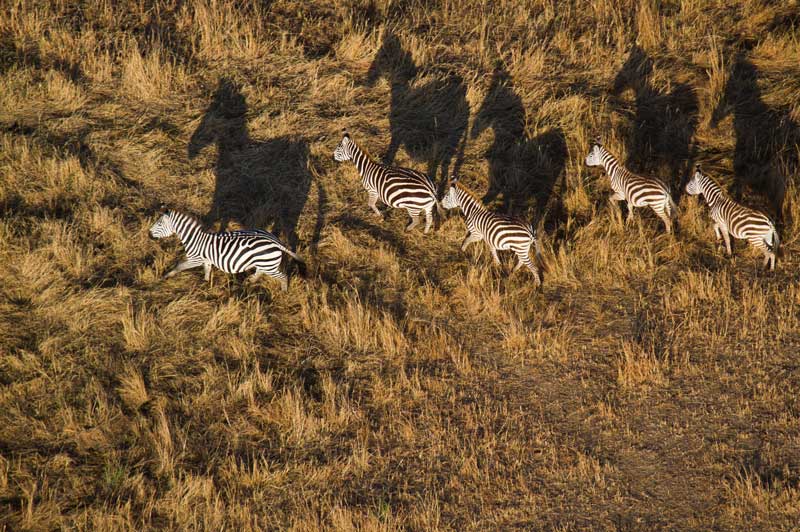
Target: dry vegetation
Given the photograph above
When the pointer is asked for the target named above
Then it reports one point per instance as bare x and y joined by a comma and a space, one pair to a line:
402, 385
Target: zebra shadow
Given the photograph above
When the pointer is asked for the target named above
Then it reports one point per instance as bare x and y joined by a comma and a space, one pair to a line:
660, 127
428, 117
526, 174
765, 153
259, 184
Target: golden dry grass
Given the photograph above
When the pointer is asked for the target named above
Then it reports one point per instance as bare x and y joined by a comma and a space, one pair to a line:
403, 384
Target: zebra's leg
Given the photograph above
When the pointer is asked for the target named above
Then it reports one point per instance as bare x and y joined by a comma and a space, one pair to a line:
469, 239
524, 258
769, 253
281, 275
667, 223
494, 255
373, 204
718, 234
207, 271
663, 213
255, 277
415, 218
428, 219
727, 237
614, 200
629, 217
187, 264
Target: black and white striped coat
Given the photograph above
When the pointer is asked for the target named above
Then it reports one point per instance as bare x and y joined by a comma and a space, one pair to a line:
401, 188
636, 190
498, 231
231, 252
730, 218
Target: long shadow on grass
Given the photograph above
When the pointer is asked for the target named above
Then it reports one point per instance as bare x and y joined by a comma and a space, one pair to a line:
661, 126
525, 173
428, 119
259, 184
766, 139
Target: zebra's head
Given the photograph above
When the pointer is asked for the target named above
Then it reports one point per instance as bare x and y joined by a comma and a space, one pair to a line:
450, 200
164, 226
593, 159
343, 150
693, 186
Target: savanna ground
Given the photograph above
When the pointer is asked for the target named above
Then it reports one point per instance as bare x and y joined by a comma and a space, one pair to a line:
402, 384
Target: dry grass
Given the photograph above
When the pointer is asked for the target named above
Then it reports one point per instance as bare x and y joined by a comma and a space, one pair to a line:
403, 385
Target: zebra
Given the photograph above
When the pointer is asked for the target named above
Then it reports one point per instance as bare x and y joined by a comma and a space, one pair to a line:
731, 218
231, 252
500, 232
636, 190
397, 187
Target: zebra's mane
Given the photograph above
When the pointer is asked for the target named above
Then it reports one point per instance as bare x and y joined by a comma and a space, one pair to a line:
472, 195
623, 167
178, 215
716, 191
713, 182
358, 147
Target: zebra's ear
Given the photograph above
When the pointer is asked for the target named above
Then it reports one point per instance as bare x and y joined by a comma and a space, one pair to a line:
345, 134
162, 207
453, 179
598, 140
697, 167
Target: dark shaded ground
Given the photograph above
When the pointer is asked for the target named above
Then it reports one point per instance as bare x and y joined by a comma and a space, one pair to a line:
430, 120
661, 126
525, 174
259, 184
765, 156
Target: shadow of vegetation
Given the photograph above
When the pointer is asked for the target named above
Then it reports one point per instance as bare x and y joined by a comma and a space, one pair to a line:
766, 139
428, 119
75, 144
661, 127
13, 56
353, 223
258, 183
524, 173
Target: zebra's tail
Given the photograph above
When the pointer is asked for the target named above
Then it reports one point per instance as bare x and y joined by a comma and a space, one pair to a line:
672, 207
773, 246
288, 251
294, 255
538, 250
302, 270
439, 209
